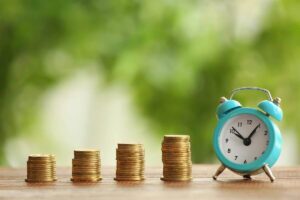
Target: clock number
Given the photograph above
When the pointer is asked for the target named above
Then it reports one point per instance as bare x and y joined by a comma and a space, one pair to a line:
226, 140
263, 152
266, 132
228, 150
249, 121
245, 161
235, 157
255, 158
240, 124
267, 143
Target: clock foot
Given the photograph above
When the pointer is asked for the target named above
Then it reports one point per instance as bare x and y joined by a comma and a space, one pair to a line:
247, 177
269, 173
219, 171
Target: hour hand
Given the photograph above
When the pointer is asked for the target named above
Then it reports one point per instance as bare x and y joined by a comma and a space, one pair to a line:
235, 132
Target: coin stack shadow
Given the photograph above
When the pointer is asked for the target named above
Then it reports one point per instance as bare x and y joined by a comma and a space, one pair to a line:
130, 162
176, 158
41, 168
86, 166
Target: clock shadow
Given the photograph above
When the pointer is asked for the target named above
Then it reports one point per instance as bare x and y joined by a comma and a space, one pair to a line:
241, 181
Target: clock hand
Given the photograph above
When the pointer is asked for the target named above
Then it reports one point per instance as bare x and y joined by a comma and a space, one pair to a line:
235, 132
253, 132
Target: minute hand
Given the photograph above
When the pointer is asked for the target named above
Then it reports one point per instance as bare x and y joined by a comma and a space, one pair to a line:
253, 132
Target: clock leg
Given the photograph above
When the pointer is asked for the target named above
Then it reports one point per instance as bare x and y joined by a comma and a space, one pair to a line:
219, 171
269, 173
247, 176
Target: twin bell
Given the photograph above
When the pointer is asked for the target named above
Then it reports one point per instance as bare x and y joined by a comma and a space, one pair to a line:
269, 107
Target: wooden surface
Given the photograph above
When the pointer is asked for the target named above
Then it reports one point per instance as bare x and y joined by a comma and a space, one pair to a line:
229, 186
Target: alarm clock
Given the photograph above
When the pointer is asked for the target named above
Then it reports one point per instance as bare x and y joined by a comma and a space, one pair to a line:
246, 140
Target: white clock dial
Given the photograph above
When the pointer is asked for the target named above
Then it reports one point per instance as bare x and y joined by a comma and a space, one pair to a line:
243, 139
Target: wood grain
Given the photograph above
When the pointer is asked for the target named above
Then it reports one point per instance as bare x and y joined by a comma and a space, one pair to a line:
229, 186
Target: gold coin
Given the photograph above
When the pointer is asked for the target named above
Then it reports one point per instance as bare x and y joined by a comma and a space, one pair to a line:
130, 162
90, 179
86, 166
176, 137
86, 151
176, 179
176, 158
128, 145
41, 168
85, 163
40, 156
39, 180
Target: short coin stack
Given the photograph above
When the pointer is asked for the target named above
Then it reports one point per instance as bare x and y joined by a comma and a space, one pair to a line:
41, 168
130, 162
176, 157
86, 166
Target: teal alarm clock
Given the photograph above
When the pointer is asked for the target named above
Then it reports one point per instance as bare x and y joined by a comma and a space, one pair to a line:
246, 140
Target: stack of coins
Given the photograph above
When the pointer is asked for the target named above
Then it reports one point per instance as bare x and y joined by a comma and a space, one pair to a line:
130, 162
86, 166
41, 168
176, 157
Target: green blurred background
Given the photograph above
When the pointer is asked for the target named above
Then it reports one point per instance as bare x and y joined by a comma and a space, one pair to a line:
84, 73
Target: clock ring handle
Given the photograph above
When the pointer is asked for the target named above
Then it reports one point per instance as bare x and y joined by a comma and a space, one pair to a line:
267, 92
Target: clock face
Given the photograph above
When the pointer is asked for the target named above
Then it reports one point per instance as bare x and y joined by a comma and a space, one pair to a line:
244, 139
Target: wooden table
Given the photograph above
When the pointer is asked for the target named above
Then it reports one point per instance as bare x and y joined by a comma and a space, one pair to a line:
229, 186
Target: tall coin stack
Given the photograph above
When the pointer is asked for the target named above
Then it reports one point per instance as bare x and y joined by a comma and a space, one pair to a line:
41, 168
130, 162
86, 166
176, 157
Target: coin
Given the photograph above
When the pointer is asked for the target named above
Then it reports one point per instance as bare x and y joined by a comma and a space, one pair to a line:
130, 162
41, 168
86, 166
176, 158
